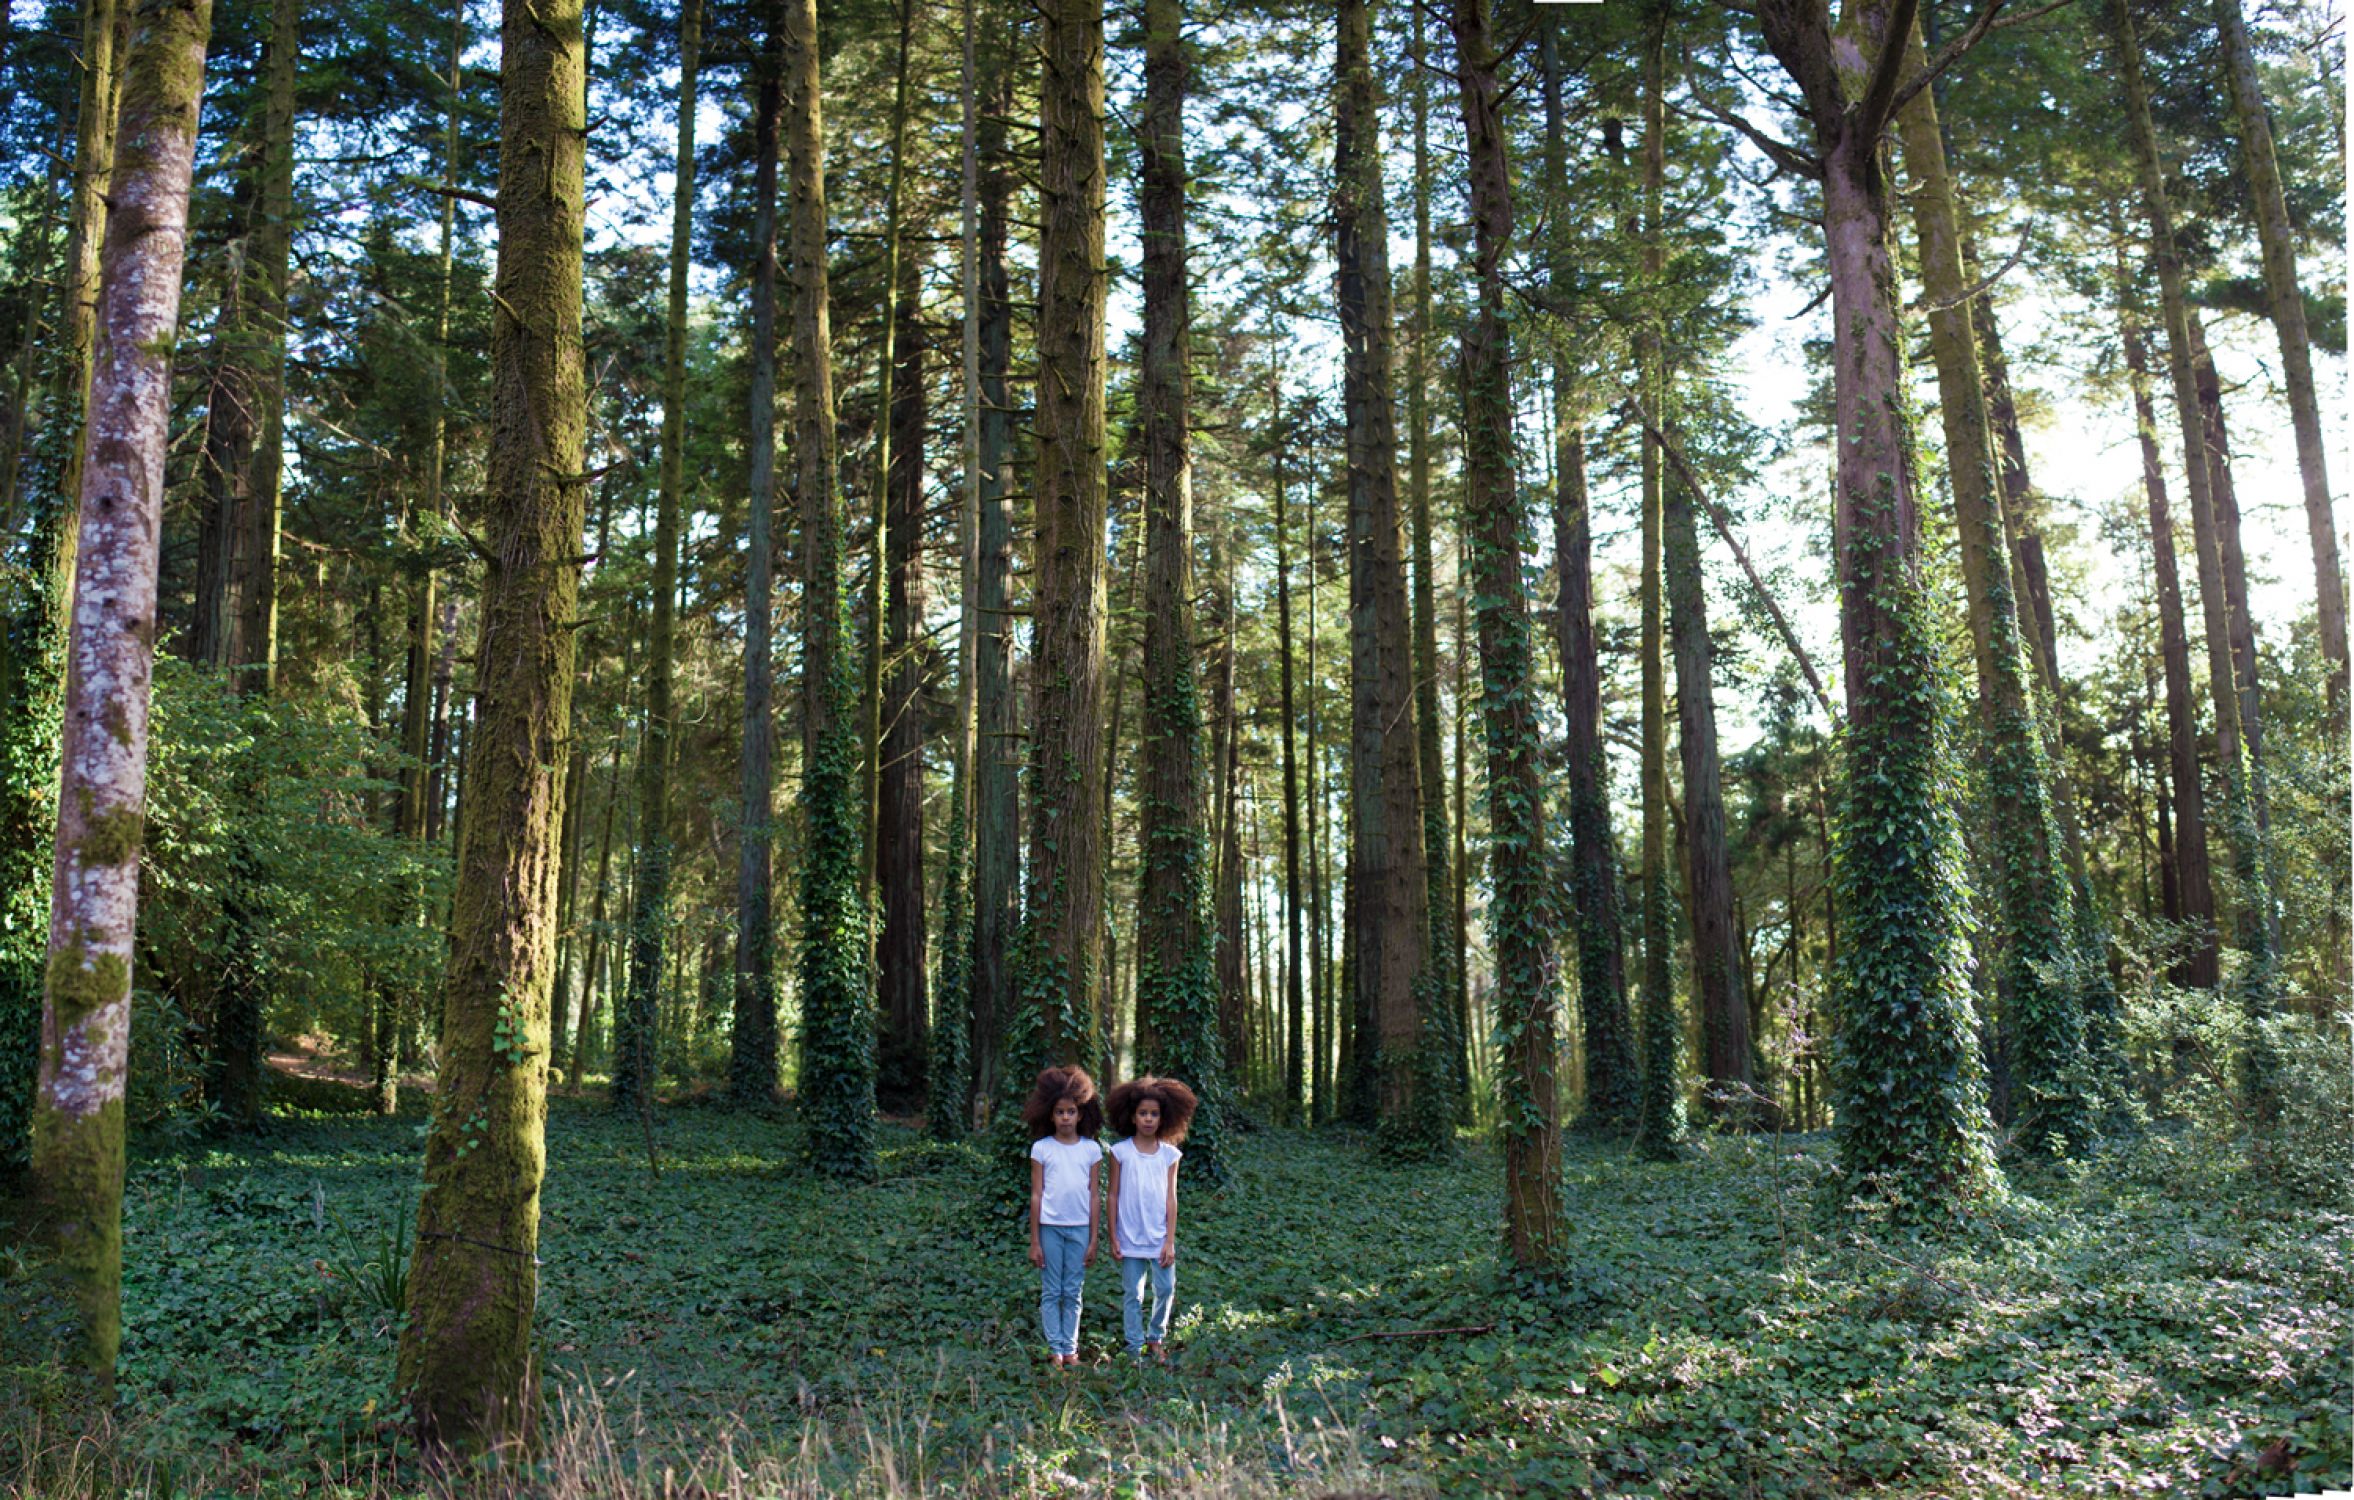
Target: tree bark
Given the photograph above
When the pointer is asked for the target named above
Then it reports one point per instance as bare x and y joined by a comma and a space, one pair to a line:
2200, 964
1295, 1077
1659, 1124
1609, 1054
903, 946
1520, 916
465, 1363
1056, 1020
2251, 924
837, 1086
2285, 304
1176, 1000
32, 667
996, 730
752, 1057
1908, 1081
879, 524
2036, 960
76, 1177
634, 1056
1389, 913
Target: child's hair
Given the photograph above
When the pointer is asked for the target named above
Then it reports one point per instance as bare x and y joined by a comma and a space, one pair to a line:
1177, 1104
1053, 1087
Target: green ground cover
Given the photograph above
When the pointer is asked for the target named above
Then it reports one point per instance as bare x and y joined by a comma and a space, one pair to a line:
2145, 1324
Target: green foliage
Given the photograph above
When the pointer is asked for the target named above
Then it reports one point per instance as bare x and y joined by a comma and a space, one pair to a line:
1908, 1084
1659, 1124
837, 1078
2154, 1323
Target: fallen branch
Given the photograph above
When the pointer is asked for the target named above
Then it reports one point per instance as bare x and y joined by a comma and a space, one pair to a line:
1415, 1333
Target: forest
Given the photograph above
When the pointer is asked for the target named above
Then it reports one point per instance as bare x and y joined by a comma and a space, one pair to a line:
1689, 660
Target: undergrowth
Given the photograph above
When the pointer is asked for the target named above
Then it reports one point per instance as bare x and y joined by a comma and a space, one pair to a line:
2147, 1322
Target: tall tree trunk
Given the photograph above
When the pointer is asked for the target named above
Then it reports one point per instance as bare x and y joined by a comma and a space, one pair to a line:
950, 1078
2035, 978
752, 1057
837, 1087
996, 728
1450, 1067
1610, 1074
878, 583
1295, 1077
1176, 1003
1230, 961
32, 665
1389, 912
2252, 927
243, 461
2284, 302
1520, 917
76, 1184
634, 1022
1908, 1078
465, 1362
900, 854
1320, 1083
1660, 1119
1056, 1020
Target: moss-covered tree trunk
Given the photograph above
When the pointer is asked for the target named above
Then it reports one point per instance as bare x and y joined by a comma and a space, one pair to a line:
2284, 303
1907, 1078
997, 753
32, 665
1521, 913
1389, 908
1056, 1018
1176, 1003
752, 1054
1609, 1051
2036, 974
903, 946
1660, 1118
837, 1088
466, 1365
76, 1180
634, 1053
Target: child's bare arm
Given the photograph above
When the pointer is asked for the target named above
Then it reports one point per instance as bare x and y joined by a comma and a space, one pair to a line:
1037, 1196
1114, 1196
1094, 1215
1169, 1240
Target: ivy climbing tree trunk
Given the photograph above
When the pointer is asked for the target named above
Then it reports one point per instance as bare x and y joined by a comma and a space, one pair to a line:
634, 1060
1520, 915
837, 992
76, 1182
1907, 1077
752, 1056
1176, 1002
1611, 1078
2284, 303
465, 1363
32, 665
903, 946
1388, 907
1056, 1019
1660, 1118
2036, 977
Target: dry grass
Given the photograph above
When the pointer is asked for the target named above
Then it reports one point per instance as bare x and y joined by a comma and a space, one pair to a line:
888, 1449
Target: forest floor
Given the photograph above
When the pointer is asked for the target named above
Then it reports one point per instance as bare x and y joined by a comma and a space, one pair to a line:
2144, 1324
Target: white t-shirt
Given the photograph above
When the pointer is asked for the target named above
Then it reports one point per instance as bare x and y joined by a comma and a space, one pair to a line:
1141, 1217
1064, 1198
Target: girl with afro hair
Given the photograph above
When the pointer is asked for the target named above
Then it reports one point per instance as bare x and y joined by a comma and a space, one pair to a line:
1150, 1114
1064, 1117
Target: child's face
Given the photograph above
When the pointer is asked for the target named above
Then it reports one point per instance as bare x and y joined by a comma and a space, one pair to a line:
1148, 1117
1066, 1117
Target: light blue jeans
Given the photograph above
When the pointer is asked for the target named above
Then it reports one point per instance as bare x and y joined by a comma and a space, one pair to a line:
1060, 1281
1144, 1316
